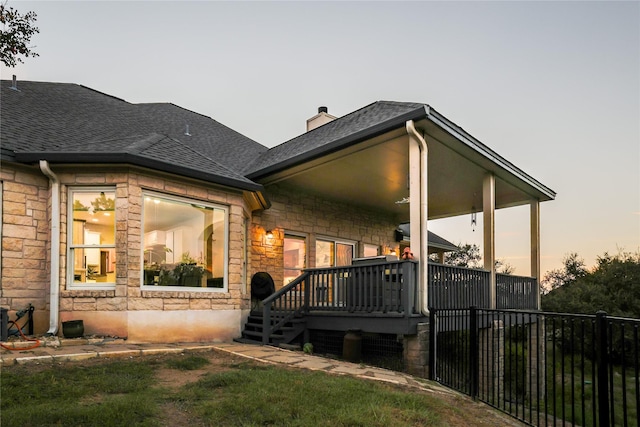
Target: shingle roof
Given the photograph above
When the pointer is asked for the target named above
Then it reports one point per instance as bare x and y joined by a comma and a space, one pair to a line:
63, 122
366, 122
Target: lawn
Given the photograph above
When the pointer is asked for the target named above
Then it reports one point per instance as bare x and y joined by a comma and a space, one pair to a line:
217, 389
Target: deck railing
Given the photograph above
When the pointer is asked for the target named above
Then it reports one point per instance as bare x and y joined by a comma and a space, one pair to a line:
516, 292
457, 287
391, 287
460, 287
388, 287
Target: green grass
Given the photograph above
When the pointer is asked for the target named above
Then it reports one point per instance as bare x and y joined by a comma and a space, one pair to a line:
272, 396
125, 392
188, 363
109, 394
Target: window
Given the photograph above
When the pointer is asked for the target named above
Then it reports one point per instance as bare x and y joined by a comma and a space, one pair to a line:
92, 249
333, 254
294, 253
370, 250
184, 243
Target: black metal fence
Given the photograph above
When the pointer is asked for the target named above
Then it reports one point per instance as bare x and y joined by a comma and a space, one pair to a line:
545, 369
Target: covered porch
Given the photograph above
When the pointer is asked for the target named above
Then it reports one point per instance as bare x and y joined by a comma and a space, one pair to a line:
408, 162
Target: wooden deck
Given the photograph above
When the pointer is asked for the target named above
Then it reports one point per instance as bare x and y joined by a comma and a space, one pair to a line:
381, 297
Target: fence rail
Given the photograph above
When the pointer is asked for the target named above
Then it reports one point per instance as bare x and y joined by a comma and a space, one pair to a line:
542, 368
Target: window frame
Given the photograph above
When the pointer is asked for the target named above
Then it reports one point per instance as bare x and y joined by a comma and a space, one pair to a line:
186, 201
72, 285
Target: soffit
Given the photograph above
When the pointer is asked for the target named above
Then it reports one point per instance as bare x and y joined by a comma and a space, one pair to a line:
374, 174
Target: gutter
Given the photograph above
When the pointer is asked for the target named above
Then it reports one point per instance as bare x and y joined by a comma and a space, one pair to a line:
54, 287
421, 227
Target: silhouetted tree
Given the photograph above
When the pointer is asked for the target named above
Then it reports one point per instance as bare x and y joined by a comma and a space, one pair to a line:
15, 35
469, 256
612, 286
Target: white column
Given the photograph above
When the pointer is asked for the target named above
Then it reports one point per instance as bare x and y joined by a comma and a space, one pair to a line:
488, 219
535, 242
418, 209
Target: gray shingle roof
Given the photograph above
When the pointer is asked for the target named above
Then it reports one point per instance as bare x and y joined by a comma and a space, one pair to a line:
366, 122
68, 123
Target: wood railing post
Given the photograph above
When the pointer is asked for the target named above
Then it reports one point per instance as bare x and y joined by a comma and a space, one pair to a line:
307, 291
266, 323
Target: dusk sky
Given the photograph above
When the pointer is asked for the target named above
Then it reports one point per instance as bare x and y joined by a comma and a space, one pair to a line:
554, 87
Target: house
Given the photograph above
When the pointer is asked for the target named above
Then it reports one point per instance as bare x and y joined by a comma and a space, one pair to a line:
148, 221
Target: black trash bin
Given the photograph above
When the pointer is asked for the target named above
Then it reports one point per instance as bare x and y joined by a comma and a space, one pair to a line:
4, 324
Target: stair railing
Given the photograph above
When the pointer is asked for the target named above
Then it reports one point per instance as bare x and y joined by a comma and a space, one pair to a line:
282, 306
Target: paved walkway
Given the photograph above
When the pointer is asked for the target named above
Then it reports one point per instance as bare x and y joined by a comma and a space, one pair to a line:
56, 349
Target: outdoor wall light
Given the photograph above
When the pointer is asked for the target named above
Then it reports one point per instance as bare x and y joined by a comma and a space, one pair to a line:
269, 234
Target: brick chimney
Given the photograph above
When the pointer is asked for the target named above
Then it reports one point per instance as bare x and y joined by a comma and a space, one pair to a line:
319, 119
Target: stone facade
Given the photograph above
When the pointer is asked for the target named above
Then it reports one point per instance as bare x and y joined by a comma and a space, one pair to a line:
130, 311
304, 214
126, 310
25, 238
416, 351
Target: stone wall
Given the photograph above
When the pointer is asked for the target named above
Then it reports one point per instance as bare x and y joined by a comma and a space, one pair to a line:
25, 236
416, 351
301, 213
25, 251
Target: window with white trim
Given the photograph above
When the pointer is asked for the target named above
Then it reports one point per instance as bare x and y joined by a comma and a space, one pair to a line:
92, 244
185, 244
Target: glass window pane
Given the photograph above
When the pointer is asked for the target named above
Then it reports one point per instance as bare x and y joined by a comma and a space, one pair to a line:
294, 257
370, 250
344, 254
96, 210
92, 243
184, 243
324, 253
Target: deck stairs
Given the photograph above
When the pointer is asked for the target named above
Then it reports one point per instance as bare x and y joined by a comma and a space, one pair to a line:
291, 334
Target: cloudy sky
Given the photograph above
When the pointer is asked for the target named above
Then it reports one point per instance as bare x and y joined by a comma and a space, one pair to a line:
554, 87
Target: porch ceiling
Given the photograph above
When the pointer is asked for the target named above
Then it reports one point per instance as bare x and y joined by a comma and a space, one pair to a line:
374, 173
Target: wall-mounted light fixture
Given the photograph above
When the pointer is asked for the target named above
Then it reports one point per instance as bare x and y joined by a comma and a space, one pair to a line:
269, 234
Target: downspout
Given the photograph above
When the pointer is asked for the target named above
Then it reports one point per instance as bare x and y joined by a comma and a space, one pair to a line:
54, 291
423, 273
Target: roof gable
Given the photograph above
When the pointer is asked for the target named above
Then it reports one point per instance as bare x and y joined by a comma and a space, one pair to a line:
355, 126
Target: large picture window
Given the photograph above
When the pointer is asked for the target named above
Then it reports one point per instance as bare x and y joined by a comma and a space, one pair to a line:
184, 243
92, 249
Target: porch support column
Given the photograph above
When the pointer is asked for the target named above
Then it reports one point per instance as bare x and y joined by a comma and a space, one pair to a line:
535, 243
488, 219
418, 210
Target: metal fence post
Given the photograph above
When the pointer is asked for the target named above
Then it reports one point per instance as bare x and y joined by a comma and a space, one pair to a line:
473, 351
433, 335
602, 361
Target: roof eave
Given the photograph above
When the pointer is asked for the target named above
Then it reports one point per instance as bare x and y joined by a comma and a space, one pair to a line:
459, 134
126, 158
363, 135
